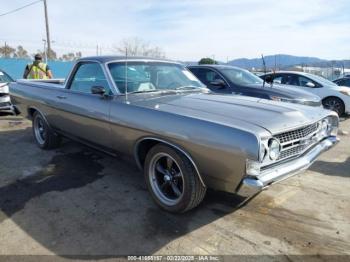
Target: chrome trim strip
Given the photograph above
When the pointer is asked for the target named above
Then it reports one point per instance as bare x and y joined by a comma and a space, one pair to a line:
172, 145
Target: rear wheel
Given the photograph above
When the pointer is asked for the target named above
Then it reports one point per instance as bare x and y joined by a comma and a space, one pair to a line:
334, 104
172, 180
43, 135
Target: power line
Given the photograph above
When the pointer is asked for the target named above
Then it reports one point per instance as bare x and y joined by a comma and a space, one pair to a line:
20, 8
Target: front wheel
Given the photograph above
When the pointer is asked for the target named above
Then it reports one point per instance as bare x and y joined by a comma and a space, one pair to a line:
43, 135
172, 180
334, 104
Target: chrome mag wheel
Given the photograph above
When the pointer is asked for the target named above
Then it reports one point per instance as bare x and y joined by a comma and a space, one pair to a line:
40, 130
166, 179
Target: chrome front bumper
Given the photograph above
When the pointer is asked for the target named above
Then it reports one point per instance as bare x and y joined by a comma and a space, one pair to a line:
250, 186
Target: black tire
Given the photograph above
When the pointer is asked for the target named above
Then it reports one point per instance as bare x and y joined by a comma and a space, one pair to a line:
193, 190
335, 104
44, 137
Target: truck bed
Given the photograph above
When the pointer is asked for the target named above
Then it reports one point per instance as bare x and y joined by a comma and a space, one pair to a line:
43, 82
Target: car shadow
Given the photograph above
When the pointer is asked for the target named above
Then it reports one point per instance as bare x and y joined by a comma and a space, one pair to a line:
332, 168
83, 202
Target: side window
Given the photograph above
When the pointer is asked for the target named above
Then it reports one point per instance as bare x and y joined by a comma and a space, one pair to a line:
304, 81
278, 79
207, 76
87, 76
340, 82
343, 82
289, 79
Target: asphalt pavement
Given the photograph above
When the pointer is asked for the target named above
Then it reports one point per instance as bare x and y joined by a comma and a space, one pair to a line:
77, 201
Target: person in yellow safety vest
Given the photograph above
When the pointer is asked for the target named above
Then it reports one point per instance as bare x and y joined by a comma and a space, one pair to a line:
37, 69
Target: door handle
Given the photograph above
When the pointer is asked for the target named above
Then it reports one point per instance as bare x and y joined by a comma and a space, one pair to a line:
61, 97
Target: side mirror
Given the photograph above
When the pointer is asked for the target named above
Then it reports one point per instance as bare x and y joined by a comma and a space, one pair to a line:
310, 84
98, 90
219, 83
268, 79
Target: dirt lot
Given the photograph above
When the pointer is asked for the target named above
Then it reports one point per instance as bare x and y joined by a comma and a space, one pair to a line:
76, 201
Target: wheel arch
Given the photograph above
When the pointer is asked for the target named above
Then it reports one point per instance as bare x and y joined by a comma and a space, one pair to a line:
32, 110
143, 145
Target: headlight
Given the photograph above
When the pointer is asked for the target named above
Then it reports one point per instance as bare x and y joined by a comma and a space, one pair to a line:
328, 127
333, 124
324, 127
345, 92
274, 149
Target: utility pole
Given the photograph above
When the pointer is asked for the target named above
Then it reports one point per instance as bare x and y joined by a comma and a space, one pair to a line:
47, 30
45, 51
5, 50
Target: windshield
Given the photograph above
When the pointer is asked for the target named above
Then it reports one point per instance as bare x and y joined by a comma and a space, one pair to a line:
152, 76
241, 77
4, 78
321, 80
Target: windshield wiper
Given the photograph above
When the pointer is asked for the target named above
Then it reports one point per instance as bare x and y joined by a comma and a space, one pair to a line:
165, 90
144, 91
186, 87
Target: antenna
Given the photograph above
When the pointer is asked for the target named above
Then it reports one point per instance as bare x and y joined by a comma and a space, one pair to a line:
274, 72
263, 59
126, 75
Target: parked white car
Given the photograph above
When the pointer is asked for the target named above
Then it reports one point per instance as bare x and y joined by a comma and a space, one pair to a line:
5, 101
334, 97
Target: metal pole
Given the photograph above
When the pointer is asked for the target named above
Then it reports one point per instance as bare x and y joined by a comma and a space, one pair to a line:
126, 75
5, 50
45, 51
47, 30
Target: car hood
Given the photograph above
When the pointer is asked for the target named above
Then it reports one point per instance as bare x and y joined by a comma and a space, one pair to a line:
290, 92
235, 111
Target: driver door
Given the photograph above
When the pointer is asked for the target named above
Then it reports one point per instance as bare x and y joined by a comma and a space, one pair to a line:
82, 114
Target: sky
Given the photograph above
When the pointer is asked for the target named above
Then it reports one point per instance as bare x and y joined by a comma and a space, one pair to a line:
185, 30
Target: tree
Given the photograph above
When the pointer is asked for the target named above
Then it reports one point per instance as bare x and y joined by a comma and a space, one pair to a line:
21, 52
138, 47
207, 61
7, 51
51, 55
70, 56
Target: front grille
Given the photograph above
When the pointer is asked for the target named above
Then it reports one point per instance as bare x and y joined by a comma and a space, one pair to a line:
297, 134
4, 104
297, 141
292, 152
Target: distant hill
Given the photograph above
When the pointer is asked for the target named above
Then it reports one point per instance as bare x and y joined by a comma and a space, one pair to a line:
281, 61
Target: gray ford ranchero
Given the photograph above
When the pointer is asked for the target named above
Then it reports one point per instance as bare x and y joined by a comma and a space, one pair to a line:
185, 138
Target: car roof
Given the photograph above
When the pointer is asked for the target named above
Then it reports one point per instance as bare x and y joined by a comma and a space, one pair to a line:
289, 72
106, 59
215, 66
